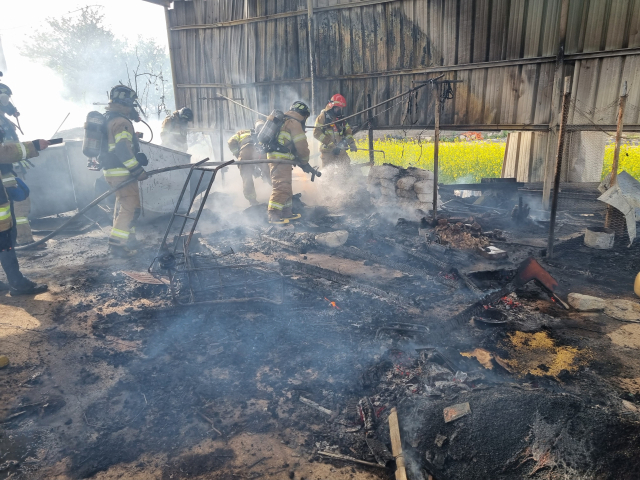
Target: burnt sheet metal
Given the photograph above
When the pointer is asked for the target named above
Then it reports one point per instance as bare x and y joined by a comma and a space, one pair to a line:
529, 270
61, 181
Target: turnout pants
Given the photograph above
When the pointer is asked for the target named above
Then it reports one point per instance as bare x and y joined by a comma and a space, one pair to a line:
127, 210
248, 188
23, 228
281, 190
9, 261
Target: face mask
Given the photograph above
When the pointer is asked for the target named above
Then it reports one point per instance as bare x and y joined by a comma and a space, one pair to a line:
4, 99
337, 111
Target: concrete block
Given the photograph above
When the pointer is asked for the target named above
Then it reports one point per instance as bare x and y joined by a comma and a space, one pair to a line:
423, 186
384, 171
406, 183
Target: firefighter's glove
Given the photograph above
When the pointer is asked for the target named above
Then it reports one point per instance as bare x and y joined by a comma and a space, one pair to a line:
143, 176
142, 159
336, 150
354, 148
19, 193
5, 241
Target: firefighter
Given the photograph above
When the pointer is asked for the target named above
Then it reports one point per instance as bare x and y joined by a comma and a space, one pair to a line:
336, 137
243, 147
122, 162
16, 172
18, 283
291, 144
174, 129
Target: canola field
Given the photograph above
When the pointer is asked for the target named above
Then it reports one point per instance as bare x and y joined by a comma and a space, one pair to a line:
468, 162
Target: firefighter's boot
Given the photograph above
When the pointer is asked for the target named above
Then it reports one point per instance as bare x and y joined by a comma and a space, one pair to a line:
276, 218
121, 251
27, 287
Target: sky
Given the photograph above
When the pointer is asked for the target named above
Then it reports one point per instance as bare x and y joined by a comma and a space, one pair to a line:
36, 90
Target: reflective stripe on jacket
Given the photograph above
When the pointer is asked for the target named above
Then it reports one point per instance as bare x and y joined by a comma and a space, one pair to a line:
331, 135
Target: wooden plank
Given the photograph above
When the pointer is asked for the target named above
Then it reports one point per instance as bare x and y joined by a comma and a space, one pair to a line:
409, 34
368, 39
634, 25
493, 95
277, 15
345, 42
595, 25
482, 22
509, 93
510, 162
477, 96
355, 15
381, 55
436, 16
608, 91
391, 18
534, 28
538, 155
544, 94
631, 74
527, 91
515, 29
450, 33
498, 30
523, 173
618, 18
550, 27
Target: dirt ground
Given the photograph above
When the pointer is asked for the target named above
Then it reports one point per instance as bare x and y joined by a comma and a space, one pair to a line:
109, 379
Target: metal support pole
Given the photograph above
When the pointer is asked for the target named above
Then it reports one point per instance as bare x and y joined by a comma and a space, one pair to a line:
371, 158
312, 54
436, 145
556, 179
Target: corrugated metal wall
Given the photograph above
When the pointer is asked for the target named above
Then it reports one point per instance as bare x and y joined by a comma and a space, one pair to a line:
503, 50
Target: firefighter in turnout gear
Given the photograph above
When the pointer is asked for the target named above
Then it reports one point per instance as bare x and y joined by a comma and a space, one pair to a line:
290, 144
11, 153
120, 162
16, 172
243, 147
336, 137
174, 129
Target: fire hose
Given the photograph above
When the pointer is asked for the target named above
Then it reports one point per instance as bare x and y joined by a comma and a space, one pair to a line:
134, 179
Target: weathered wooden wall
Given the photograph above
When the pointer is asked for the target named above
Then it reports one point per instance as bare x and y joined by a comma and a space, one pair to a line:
505, 52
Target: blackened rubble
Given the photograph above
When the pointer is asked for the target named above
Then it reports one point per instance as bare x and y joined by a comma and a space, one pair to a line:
391, 318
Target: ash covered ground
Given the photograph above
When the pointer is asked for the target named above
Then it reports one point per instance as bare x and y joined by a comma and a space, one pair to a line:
110, 378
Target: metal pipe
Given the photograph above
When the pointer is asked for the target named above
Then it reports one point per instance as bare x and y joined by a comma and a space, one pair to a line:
436, 146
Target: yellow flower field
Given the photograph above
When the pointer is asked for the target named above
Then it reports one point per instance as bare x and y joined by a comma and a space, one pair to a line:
468, 162
629, 160
460, 162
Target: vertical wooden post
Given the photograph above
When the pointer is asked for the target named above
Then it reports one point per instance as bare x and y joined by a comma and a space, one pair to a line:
611, 215
559, 151
312, 55
555, 102
436, 146
616, 153
371, 158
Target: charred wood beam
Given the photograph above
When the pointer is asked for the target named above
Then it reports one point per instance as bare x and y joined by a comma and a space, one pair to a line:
354, 252
275, 16
345, 280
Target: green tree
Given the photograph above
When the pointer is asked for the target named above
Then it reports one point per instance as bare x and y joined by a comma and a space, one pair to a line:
90, 60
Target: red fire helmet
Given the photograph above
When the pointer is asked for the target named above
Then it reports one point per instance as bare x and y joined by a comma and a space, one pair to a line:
339, 101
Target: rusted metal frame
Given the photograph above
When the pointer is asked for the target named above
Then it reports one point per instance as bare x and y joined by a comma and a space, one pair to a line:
558, 170
490, 127
275, 16
370, 135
